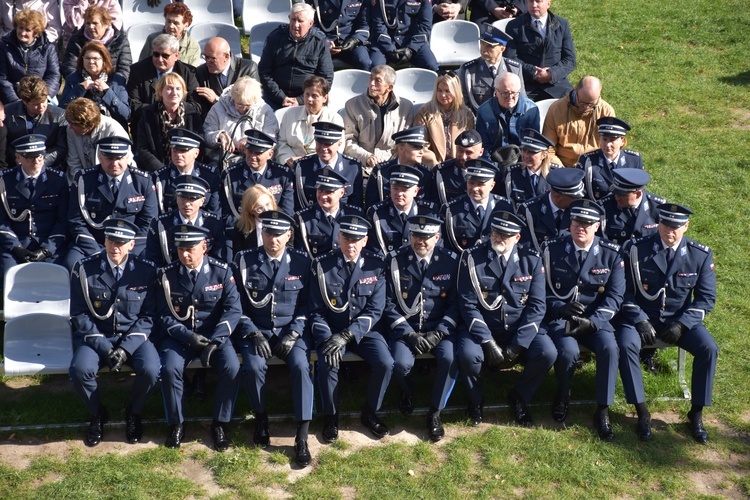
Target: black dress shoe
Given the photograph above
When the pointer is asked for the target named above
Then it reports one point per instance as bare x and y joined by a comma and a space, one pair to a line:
176, 435
406, 405
435, 427
302, 453
133, 427
520, 411
560, 409
261, 436
603, 426
372, 422
644, 428
475, 413
331, 428
696, 425
221, 440
95, 430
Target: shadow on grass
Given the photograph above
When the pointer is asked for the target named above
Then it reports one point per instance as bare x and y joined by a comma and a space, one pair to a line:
740, 79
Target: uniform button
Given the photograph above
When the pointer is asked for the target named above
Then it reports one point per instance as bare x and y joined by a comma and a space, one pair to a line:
118, 300
580, 282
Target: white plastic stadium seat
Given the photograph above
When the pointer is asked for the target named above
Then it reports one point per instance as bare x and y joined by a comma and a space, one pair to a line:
211, 11
415, 84
543, 108
37, 343
258, 35
263, 11
203, 32
138, 12
36, 287
138, 33
280, 113
502, 23
347, 83
454, 42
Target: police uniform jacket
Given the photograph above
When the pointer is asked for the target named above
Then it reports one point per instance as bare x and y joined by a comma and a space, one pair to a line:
518, 185
91, 203
160, 246
407, 24
421, 302
338, 302
389, 232
510, 304
598, 169
684, 291
306, 174
316, 233
51, 124
477, 82
103, 311
239, 177
214, 300
462, 226
540, 221
379, 185
164, 178
622, 225
272, 303
47, 223
599, 282
342, 19
491, 117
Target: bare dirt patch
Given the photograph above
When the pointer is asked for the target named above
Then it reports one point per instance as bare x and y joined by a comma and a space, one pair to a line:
195, 471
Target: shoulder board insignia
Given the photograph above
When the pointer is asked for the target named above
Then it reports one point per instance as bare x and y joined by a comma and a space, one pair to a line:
145, 261
609, 244
350, 158
136, 171
631, 152
512, 62
699, 246
217, 263
348, 209
471, 63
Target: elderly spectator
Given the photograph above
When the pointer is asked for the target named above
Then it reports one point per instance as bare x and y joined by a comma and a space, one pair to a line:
239, 110
144, 74
86, 125
167, 113
247, 231
95, 79
219, 72
26, 51
501, 121
445, 117
372, 118
571, 122
543, 43
50, 11
33, 115
74, 12
347, 29
489, 11
98, 27
400, 33
296, 133
177, 20
292, 53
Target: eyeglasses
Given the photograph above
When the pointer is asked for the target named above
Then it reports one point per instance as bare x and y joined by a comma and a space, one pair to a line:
506, 95
92, 59
582, 224
449, 72
32, 156
585, 104
162, 55
213, 59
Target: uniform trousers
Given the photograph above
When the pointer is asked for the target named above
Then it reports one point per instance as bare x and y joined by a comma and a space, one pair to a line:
445, 375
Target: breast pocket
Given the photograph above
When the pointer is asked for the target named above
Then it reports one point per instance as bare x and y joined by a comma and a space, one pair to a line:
210, 297
133, 207
364, 290
292, 289
685, 281
256, 283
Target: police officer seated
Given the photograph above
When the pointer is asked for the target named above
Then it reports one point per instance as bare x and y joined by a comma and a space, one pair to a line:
527, 179
112, 312
449, 177
421, 314
347, 30
347, 298
631, 210
585, 287
275, 280
197, 309
400, 33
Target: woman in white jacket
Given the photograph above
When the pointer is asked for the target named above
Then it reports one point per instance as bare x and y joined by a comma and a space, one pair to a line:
239, 108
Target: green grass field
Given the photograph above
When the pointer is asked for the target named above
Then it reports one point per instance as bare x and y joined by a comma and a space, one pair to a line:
680, 74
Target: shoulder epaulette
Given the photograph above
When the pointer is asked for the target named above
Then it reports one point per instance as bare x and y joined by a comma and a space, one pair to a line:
145, 261
210, 215
699, 246
426, 203
171, 265
349, 157
54, 171
609, 244
512, 62
471, 63
445, 251
655, 198
297, 252
371, 255
206, 166
136, 171
217, 263
353, 208
528, 250
631, 152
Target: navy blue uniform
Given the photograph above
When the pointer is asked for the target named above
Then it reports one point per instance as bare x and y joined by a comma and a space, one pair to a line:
623, 225
91, 202
106, 314
160, 247
210, 308
306, 174
239, 177
275, 303
343, 20
463, 227
315, 233
379, 185
449, 182
598, 284
540, 221
598, 169
355, 303
684, 291
407, 24
506, 305
519, 186
423, 302
389, 231
164, 178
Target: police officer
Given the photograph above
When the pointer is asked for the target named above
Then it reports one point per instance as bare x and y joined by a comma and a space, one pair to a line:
501, 291
275, 281
547, 216
449, 177
410, 144
467, 218
33, 222
329, 140
400, 33
671, 288
191, 195
197, 309
478, 75
390, 228
585, 287
601, 164
317, 225
421, 314
347, 298
109, 189
185, 149
111, 312
347, 29
631, 210
528, 178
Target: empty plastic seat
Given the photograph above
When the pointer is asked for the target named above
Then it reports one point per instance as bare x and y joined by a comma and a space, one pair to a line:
37, 343
262, 11
36, 287
454, 42
502, 23
138, 33
543, 108
258, 35
347, 83
203, 32
415, 84
138, 12
212, 11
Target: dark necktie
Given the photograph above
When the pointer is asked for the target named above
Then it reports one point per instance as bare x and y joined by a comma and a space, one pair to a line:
480, 212
275, 265
403, 218
582, 254
534, 181
31, 184
118, 273
113, 187
331, 220
503, 264
670, 257
351, 265
493, 72
256, 177
558, 219
422, 266
193, 275
539, 28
